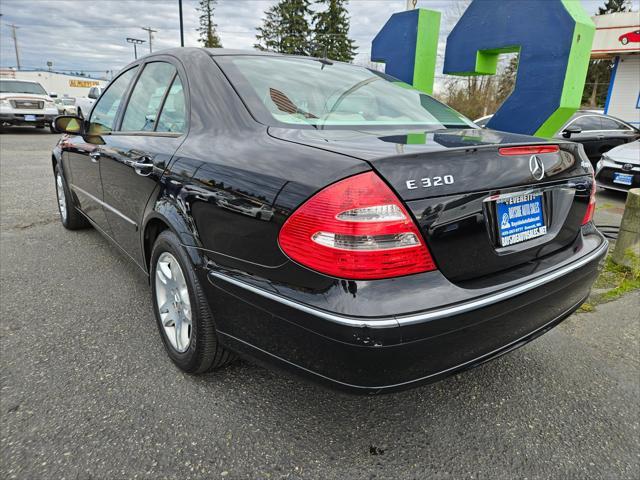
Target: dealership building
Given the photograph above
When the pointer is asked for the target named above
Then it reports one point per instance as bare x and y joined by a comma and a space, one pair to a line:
618, 37
61, 84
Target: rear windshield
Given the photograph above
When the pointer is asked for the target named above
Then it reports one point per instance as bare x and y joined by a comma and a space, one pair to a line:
10, 86
299, 91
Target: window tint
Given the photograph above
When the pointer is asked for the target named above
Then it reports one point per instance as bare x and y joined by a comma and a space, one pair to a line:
104, 112
611, 124
588, 122
173, 117
144, 104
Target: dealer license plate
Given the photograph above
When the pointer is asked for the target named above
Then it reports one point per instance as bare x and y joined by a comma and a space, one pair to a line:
622, 178
29, 118
520, 218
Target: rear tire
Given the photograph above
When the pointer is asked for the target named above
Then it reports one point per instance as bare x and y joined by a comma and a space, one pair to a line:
70, 217
182, 313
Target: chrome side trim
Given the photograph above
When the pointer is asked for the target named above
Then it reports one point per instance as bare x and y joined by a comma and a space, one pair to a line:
105, 205
424, 316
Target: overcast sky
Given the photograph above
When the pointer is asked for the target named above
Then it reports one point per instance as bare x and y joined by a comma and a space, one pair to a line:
90, 35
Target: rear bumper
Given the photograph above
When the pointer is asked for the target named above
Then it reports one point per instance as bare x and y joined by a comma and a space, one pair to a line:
371, 355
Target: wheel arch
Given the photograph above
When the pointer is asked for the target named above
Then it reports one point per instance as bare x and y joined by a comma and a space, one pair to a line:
165, 215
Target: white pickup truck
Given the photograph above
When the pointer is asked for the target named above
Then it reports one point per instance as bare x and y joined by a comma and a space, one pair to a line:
85, 104
25, 103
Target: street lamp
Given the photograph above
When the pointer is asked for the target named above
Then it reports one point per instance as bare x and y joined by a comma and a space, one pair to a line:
136, 42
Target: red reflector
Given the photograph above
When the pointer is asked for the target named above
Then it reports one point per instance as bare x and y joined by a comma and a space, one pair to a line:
356, 229
591, 208
528, 150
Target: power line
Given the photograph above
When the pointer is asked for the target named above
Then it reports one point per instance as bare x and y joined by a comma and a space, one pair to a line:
151, 31
15, 43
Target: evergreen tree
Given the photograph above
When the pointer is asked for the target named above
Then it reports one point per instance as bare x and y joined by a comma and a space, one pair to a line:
270, 33
331, 32
613, 6
208, 36
285, 28
599, 73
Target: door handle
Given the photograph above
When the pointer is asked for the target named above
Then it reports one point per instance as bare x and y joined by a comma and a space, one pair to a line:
94, 156
142, 165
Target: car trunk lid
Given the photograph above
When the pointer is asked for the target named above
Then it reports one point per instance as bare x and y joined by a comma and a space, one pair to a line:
453, 180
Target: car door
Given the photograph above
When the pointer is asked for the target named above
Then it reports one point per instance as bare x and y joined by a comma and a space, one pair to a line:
615, 133
590, 136
83, 152
152, 126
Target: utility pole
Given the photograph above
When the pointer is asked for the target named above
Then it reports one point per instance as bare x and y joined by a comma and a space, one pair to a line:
181, 24
15, 44
136, 42
151, 31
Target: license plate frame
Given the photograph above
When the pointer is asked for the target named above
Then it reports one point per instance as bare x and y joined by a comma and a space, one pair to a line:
623, 178
30, 118
520, 217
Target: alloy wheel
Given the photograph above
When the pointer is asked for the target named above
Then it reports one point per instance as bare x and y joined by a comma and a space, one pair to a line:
62, 203
172, 297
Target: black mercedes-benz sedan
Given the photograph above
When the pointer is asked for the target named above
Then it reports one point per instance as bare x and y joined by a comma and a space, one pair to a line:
327, 218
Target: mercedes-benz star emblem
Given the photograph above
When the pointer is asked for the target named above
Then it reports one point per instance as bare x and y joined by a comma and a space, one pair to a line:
537, 167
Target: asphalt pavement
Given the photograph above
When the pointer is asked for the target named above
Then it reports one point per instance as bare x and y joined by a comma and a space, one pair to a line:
87, 391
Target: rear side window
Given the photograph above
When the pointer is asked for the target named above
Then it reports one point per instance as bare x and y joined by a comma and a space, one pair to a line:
588, 122
173, 117
104, 112
611, 124
144, 104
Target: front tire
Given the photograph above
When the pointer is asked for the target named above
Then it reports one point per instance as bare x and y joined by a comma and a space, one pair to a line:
70, 217
182, 313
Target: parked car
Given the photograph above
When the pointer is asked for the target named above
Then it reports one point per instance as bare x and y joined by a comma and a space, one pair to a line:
85, 104
25, 103
598, 133
630, 37
619, 168
402, 243
65, 105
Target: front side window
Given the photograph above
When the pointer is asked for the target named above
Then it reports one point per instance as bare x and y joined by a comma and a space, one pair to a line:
588, 122
173, 117
298, 91
146, 99
103, 115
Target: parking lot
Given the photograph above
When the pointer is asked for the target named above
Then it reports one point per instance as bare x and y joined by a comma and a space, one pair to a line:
87, 391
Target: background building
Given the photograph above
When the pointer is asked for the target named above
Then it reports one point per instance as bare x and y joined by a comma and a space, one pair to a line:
53, 82
618, 36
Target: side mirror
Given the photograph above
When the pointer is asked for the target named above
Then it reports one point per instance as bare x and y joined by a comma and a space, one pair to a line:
567, 132
68, 124
93, 93
53, 94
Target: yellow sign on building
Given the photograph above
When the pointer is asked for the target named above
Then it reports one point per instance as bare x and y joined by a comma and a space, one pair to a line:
83, 83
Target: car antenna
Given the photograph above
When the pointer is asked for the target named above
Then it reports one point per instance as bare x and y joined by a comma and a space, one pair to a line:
324, 60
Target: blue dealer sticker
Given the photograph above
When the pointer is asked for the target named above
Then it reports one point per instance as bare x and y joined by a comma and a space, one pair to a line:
520, 218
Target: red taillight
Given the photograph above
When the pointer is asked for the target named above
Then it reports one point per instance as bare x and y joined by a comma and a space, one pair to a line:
528, 150
591, 208
356, 229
